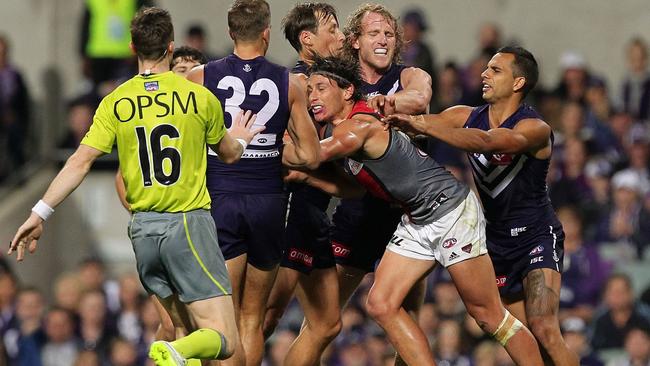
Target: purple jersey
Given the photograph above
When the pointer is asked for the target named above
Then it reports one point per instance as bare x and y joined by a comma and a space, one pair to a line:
389, 83
263, 88
512, 186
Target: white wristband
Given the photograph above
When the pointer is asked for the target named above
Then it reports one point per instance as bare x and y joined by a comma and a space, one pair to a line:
42, 209
243, 143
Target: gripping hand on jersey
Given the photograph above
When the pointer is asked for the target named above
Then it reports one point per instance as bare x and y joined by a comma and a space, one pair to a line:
243, 127
383, 104
411, 125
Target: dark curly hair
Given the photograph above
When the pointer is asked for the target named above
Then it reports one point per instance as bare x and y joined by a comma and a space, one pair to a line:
343, 70
354, 28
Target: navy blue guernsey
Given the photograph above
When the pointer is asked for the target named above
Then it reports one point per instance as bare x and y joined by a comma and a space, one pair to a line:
388, 84
263, 88
303, 191
512, 187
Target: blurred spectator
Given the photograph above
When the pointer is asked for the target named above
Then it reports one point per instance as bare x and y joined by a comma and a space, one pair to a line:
572, 187
638, 154
473, 81
597, 114
489, 39
428, 321
67, 292
105, 37
128, 318
485, 354
573, 331
620, 124
280, 343
92, 274
637, 349
598, 173
8, 291
197, 38
14, 111
23, 343
80, 116
87, 358
448, 302
636, 85
416, 52
623, 223
123, 353
619, 315
575, 77
354, 354
449, 89
62, 346
377, 346
448, 345
95, 329
150, 321
585, 272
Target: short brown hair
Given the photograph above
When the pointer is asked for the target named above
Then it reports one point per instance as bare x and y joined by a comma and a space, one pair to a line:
151, 32
305, 17
354, 28
247, 19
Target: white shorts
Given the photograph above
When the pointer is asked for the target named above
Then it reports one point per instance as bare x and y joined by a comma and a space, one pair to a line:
457, 236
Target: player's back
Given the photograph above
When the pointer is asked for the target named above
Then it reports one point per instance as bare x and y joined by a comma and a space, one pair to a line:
263, 88
512, 186
161, 124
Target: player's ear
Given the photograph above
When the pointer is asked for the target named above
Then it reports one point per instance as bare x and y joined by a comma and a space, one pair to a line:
348, 92
132, 47
355, 43
170, 47
305, 38
267, 34
519, 83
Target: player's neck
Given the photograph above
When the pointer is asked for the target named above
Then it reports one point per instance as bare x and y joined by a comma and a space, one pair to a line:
343, 114
249, 50
153, 66
370, 74
501, 110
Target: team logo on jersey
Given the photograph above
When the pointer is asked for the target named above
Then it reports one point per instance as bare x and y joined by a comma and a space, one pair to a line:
247, 68
449, 243
355, 166
501, 159
467, 248
538, 249
151, 86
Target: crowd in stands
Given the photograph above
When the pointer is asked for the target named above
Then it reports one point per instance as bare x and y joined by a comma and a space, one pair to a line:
599, 183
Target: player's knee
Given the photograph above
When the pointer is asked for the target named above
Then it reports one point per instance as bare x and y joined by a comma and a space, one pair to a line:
380, 308
545, 329
271, 322
487, 318
328, 330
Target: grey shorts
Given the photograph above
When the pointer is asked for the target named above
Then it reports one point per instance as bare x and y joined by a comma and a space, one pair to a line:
179, 253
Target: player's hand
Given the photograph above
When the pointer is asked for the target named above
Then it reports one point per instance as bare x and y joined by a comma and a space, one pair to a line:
243, 127
295, 176
412, 125
383, 104
26, 236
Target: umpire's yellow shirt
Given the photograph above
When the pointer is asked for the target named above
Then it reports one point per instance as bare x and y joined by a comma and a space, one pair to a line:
161, 124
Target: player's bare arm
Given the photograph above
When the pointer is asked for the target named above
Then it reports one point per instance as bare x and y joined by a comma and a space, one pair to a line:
196, 75
231, 147
120, 188
348, 138
68, 179
305, 147
414, 98
453, 117
329, 178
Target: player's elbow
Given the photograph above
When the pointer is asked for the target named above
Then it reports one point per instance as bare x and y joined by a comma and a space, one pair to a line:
230, 159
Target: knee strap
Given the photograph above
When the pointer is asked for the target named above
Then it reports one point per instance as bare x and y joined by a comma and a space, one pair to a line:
508, 327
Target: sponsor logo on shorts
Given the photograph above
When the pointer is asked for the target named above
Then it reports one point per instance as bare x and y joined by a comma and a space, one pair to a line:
300, 256
340, 250
467, 248
439, 200
453, 256
516, 230
151, 86
538, 249
501, 281
449, 243
537, 259
555, 257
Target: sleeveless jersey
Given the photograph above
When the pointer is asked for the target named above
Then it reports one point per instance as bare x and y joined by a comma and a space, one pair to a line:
512, 187
161, 124
263, 88
407, 176
388, 84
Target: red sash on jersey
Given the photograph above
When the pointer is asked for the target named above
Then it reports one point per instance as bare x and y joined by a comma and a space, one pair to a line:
361, 107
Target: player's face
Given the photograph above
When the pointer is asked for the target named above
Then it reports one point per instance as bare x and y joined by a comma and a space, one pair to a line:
328, 40
325, 98
376, 44
183, 66
498, 79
